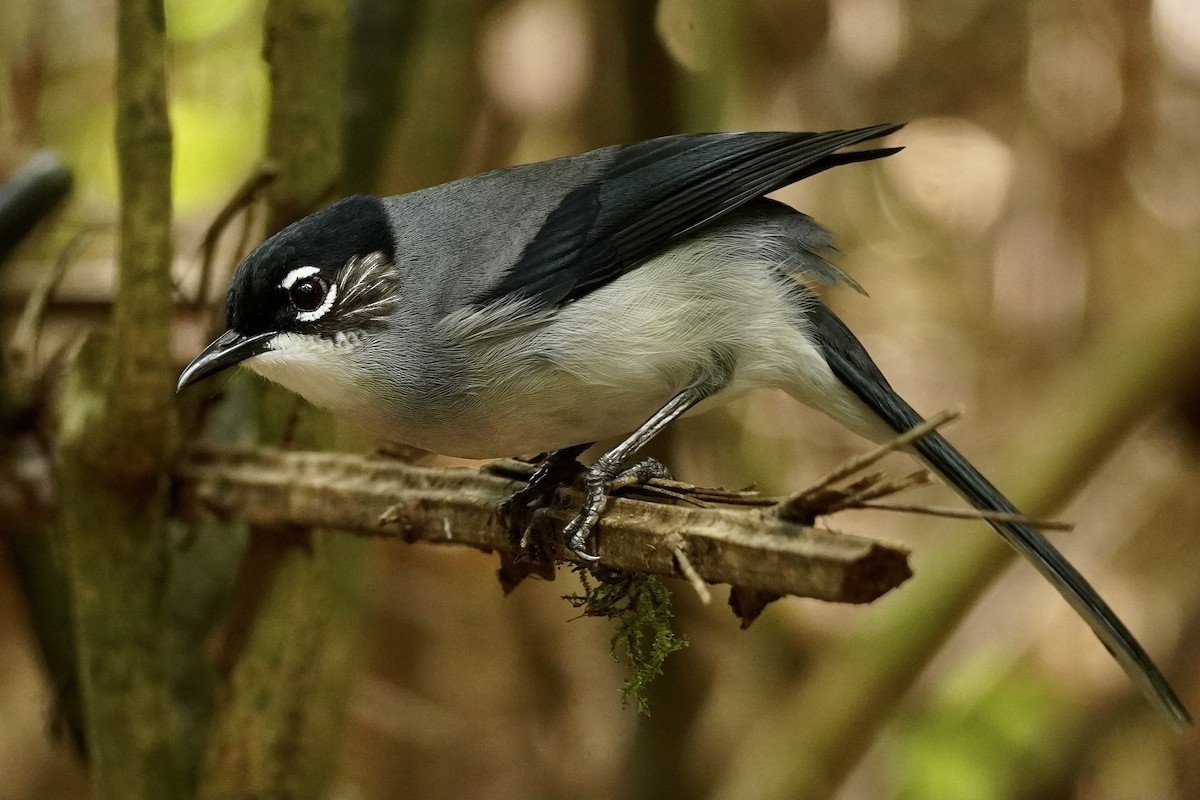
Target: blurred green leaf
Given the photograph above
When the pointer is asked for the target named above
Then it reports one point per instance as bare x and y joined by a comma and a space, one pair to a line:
983, 735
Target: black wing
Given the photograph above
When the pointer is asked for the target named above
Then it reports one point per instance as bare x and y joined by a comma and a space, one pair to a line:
654, 192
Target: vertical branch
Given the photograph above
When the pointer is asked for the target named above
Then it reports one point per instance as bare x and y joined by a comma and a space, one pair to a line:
656, 100
294, 630
305, 49
442, 93
382, 36
114, 440
141, 402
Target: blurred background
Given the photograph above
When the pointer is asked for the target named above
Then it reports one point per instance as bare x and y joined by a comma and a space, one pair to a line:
1049, 185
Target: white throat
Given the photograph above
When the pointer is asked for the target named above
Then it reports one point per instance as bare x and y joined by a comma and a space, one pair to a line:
320, 370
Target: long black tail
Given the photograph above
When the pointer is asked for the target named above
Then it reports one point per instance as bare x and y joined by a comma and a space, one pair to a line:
854, 368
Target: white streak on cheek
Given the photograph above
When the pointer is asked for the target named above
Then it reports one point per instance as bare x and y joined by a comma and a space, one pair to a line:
321, 310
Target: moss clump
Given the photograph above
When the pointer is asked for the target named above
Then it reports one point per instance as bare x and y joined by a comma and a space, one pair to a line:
640, 609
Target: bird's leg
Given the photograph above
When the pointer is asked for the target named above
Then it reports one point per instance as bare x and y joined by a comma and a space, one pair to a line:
558, 468
601, 475
607, 471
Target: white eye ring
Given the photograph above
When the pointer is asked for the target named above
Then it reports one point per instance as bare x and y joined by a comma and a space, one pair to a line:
299, 274
321, 310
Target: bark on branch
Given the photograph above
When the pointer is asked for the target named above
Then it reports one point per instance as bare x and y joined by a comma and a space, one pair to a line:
749, 547
115, 424
264, 742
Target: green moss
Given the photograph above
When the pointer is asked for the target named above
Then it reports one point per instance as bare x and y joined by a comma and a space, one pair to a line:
640, 609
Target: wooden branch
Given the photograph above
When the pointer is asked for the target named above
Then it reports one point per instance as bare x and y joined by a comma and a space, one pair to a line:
263, 742
376, 496
115, 425
135, 442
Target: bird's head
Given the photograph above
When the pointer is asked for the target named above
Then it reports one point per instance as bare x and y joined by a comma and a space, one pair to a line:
318, 284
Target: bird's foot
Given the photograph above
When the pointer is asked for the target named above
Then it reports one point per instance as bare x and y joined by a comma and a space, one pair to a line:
603, 478
557, 469
642, 472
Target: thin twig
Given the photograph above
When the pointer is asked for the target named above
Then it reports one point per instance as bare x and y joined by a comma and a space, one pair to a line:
241, 199
822, 498
249, 221
967, 513
881, 487
650, 487
689, 572
22, 347
861, 462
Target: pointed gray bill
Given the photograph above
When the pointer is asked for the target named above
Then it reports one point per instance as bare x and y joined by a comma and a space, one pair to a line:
228, 349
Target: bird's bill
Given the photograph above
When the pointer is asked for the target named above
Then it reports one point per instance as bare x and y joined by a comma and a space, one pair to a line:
228, 349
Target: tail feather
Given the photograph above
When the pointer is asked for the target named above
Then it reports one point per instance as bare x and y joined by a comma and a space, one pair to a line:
853, 367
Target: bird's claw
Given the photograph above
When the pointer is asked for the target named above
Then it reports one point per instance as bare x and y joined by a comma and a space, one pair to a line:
580, 528
644, 471
600, 482
602, 478
577, 536
557, 469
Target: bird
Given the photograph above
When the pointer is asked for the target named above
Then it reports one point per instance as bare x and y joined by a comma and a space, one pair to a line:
546, 306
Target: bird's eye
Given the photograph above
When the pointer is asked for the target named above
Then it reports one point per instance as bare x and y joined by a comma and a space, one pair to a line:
308, 293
